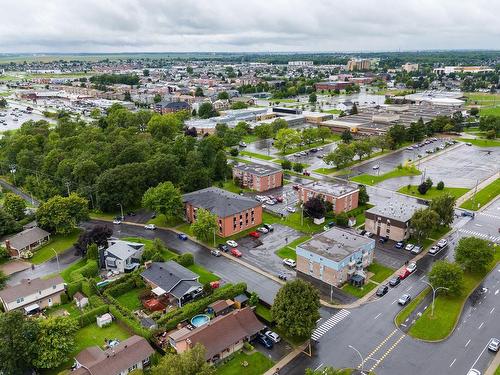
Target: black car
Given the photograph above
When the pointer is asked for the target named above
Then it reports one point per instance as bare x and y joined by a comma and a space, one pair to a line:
269, 227
282, 276
362, 233
395, 281
223, 247
264, 340
383, 239
382, 290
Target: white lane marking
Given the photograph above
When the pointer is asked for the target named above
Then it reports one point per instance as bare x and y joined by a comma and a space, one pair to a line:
453, 362
479, 356
317, 368
409, 288
423, 277
381, 314
329, 324
393, 302
480, 325
467, 344
493, 309
498, 290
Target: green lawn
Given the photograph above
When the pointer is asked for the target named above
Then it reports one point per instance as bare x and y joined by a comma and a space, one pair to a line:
167, 254
482, 98
369, 179
332, 138
448, 308
359, 292
333, 111
161, 221
130, 299
497, 372
59, 243
263, 312
88, 336
483, 196
490, 111
240, 160
104, 215
257, 364
256, 155
433, 192
407, 310
481, 142
65, 274
289, 250
300, 175
380, 272
294, 221
229, 185
325, 171
249, 138
205, 275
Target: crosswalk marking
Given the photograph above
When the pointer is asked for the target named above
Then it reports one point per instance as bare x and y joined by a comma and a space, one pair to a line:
329, 324
489, 215
480, 235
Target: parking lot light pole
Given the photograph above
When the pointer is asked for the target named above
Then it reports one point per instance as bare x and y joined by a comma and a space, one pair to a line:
57, 259
121, 208
434, 290
360, 356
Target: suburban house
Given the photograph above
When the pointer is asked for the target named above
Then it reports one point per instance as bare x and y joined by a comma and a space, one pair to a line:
26, 241
121, 256
129, 355
173, 281
257, 176
33, 295
222, 336
235, 213
334, 257
343, 197
391, 220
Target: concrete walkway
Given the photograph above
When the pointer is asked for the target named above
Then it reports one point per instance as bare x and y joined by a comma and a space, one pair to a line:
287, 359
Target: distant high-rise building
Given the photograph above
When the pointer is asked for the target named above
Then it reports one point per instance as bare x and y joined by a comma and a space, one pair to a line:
361, 64
409, 67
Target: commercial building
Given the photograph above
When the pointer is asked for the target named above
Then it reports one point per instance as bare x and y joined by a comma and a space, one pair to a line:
334, 257
462, 69
33, 295
391, 220
169, 107
332, 85
131, 354
409, 67
343, 197
258, 177
235, 213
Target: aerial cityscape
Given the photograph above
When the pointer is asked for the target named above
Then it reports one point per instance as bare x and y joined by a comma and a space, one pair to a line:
249, 188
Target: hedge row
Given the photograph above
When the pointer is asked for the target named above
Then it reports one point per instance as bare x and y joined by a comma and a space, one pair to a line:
127, 318
90, 316
74, 287
124, 284
171, 319
89, 270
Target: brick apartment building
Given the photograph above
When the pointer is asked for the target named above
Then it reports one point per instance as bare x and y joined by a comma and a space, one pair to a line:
391, 220
334, 257
332, 85
343, 197
235, 213
258, 177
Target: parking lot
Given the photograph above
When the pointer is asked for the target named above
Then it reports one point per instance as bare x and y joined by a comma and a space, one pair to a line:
289, 195
387, 255
260, 251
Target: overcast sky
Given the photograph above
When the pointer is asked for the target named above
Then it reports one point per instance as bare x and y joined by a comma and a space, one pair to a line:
247, 25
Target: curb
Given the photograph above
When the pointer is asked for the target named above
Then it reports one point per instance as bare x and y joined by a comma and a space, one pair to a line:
480, 186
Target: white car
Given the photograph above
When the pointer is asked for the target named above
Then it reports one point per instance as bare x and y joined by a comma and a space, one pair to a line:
270, 202
262, 230
150, 227
232, 243
494, 345
242, 144
404, 299
409, 247
291, 209
273, 336
434, 250
473, 371
442, 243
117, 222
376, 166
289, 262
215, 253
416, 249
411, 267
409, 148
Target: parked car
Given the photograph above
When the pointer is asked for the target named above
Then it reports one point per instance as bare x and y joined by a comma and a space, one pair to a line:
215, 253
467, 213
289, 262
150, 227
235, 252
473, 371
282, 276
279, 199
232, 243
296, 187
409, 247
306, 173
273, 336
242, 144
291, 209
270, 202
262, 229
399, 245
395, 281
329, 225
362, 232
254, 234
442, 243
469, 144
269, 227
382, 290
117, 221
375, 167
411, 267
223, 247
494, 345
264, 340
404, 299
383, 239
369, 234
417, 249
182, 236
434, 250
404, 274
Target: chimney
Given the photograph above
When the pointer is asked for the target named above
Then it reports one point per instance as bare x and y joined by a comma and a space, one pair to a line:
148, 264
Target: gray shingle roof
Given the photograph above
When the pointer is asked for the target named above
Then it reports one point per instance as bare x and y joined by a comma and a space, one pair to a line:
26, 288
171, 277
220, 202
123, 249
27, 237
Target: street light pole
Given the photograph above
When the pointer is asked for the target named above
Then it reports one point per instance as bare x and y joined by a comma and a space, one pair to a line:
360, 356
434, 290
121, 208
57, 259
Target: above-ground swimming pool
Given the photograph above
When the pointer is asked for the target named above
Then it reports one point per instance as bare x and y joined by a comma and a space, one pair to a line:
199, 320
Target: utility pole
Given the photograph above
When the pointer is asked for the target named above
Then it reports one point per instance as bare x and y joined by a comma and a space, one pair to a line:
475, 193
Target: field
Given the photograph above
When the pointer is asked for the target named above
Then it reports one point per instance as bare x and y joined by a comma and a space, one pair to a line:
483, 196
433, 192
369, 179
481, 142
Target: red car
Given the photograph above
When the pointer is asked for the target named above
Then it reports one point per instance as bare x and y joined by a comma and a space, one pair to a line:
236, 253
404, 274
306, 173
279, 198
254, 234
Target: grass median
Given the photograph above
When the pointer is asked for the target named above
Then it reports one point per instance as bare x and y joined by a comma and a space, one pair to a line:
368, 179
481, 142
408, 309
256, 155
432, 192
483, 196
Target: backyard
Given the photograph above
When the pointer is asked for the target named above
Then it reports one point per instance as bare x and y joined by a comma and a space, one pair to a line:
58, 243
483, 196
433, 192
246, 364
130, 299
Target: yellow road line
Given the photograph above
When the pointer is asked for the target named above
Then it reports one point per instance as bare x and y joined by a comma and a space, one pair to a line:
387, 353
379, 346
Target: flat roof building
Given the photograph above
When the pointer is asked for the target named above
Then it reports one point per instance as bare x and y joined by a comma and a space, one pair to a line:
258, 177
343, 197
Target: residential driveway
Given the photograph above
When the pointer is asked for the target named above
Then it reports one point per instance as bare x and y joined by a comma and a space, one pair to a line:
260, 252
278, 351
14, 266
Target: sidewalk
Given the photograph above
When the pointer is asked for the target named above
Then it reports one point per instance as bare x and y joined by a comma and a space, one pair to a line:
493, 365
480, 186
287, 359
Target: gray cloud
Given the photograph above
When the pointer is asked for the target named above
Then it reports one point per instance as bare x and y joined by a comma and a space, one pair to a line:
250, 25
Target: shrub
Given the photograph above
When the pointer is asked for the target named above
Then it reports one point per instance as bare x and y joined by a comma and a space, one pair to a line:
298, 167
422, 188
234, 152
74, 287
248, 347
64, 298
185, 260
123, 285
286, 164
90, 316
88, 288
127, 318
342, 219
440, 185
96, 301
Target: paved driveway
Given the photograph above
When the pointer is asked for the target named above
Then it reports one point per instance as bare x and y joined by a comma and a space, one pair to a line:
260, 252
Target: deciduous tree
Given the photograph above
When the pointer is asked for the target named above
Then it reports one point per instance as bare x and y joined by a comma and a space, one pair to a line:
205, 224
62, 214
286, 138
444, 206
165, 199
447, 275
474, 254
190, 362
14, 205
423, 222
